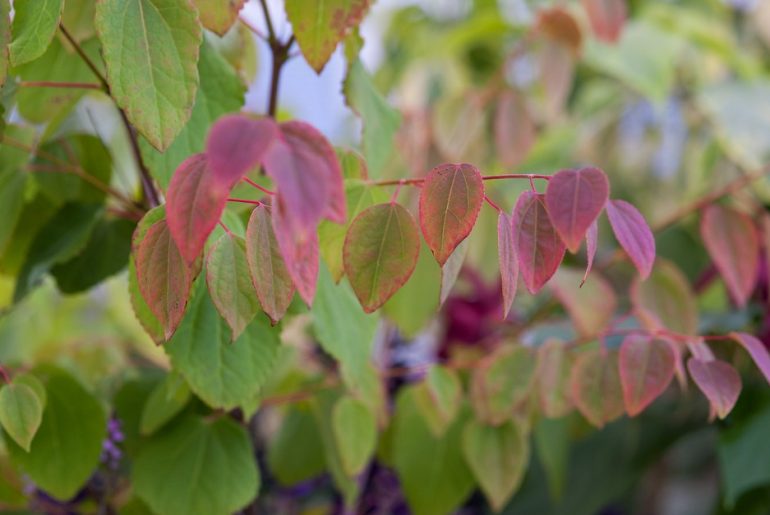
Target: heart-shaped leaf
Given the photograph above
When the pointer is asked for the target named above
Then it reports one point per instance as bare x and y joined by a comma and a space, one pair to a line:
538, 245
733, 243
268, 271
450, 201
21, 412
596, 387
219, 15
646, 369
574, 199
299, 251
194, 204
757, 350
509, 261
236, 144
163, 276
633, 233
719, 382
380, 253
227, 277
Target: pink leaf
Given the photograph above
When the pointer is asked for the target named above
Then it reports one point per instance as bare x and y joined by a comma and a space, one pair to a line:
733, 243
194, 204
515, 131
606, 17
509, 261
633, 233
539, 247
592, 239
574, 199
237, 144
757, 350
450, 201
299, 251
646, 368
718, 381
163, 276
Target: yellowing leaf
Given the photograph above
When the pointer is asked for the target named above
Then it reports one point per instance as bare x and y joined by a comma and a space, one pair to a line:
218, 15
595, 386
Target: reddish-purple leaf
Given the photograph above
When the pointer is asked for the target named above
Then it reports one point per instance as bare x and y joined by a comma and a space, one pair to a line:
646, 368
227, 278
718, 381
380, 253
509, 261
267, 268
595, 386
757, 350
306, 170
236, 144
450, 201
733, 243
300, 252
633, 233
515, 131
164, 277
574, 199
606, 17
592, 240
194, 204
538, 245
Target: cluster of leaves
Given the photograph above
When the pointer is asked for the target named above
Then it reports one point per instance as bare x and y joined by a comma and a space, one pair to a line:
260, 208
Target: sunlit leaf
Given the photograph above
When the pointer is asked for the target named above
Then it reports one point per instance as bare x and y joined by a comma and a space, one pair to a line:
633, 234
574, 199
665, 300
538, 245
21, 412
151, 51
450, 271
718, 381
34, 25
596, 387
229, 283
380, 253
733, 243
271, 279
450, 201
646, 369
508, 259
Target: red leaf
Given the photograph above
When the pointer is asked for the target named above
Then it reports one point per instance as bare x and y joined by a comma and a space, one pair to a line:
194, 204
606, 17
267, 268
163, 276
539, 247
592, 239
509, 261
757, 350
380, 253
450, 201
515, 131
646, 368
299, 251
574, 199
595, 386
733, 243
718, 381
633, 233
308, 175
236, 144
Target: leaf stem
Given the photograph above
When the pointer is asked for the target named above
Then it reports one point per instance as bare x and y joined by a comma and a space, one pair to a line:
495, 206
87, 60
260, 188
416, 182
245, 201
227, 229
60, 85
4, 375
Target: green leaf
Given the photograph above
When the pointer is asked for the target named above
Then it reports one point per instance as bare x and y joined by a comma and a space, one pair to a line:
551, 436
78, 18
438, 398
222, 373
665, 300
197, 467
295, 453
433, 472
5, 40
34, 383
596, 388
105, 254
342, 327
21, 412
744, 460
381, 121
498, 457
320, 26
58, 241
355, 433
220, 92
503, 383
218, 15
66, 448
229, 284
34, 25
167, 399
151, 51
13, 183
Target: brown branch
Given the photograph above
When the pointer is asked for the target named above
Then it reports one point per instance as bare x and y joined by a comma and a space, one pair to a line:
60, 85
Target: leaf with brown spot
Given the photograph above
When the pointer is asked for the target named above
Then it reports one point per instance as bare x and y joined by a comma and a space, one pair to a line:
218, 15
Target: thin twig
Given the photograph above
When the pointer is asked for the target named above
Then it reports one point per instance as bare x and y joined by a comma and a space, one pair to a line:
60, 85
260, 188
245, 201
87, 60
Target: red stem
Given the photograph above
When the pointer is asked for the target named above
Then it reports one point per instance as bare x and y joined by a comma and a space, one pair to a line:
50, 84
227, 230
245, 201
415, 182
4, 375
489, 201
260, 188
